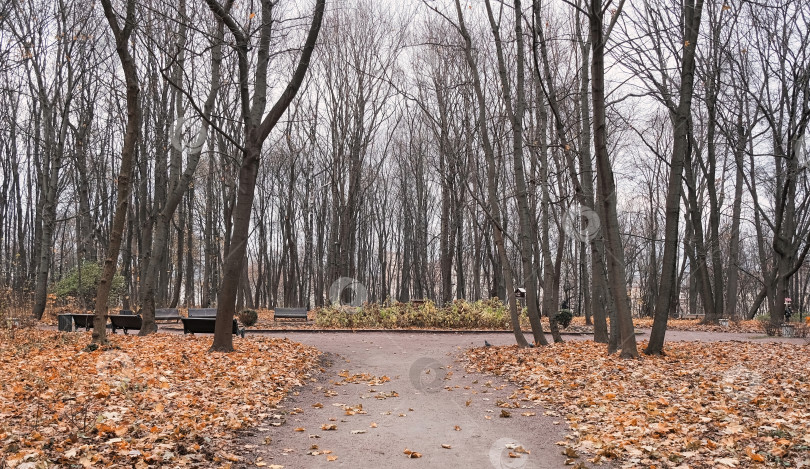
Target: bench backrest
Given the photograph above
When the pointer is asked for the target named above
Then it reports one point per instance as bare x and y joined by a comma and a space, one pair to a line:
290, 312
202, 312
83, 320
126, 312
166, 312
200, 325
126, 320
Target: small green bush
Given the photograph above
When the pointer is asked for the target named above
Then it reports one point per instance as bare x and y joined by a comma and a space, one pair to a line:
89, 273
564, 318
248, 317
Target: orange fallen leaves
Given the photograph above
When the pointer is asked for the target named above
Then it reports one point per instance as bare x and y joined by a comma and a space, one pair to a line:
412, 454
157, 400
701, 405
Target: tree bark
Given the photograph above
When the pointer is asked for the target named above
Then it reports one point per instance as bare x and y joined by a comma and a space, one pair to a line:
680, 120
256, 131
606, 186
131, 137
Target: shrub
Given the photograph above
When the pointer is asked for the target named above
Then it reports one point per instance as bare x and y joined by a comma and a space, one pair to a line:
460, 314
248, 317
564, 318
89, 273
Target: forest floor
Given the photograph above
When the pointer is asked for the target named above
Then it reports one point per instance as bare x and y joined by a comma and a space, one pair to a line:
400, 400
161, 400
717, 400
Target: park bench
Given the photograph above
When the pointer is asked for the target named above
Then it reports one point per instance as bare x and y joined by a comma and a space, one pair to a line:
690, 316
127, 322
202, 312
167, 314
83, 320
206, 325
290, 313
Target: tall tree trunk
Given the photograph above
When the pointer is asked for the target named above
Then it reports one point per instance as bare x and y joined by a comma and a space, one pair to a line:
131, 137
516, 114
492, 191
606, 185
692, 10
733, 269
256, 131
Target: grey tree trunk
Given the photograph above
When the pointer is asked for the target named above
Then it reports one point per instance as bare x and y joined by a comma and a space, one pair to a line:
516, 114
179, 183
494, 207
131, 137
606, 184
680, 122
256, 129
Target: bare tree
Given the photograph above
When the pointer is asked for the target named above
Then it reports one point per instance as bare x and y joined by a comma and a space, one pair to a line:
256, 128
122, 38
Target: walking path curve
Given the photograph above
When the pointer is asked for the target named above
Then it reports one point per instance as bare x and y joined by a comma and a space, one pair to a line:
388, 392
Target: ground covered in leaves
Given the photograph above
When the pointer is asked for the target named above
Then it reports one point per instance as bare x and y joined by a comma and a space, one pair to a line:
157, 400
723, 404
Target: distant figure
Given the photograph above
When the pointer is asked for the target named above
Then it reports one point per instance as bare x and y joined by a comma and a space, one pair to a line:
487, 344
788, 313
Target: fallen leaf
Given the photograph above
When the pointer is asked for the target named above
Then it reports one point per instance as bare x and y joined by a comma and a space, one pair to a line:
412, 454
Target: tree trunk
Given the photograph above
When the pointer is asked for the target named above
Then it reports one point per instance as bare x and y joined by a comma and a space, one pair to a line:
680, 120
607, 188
492, 191
256, 131
131, 137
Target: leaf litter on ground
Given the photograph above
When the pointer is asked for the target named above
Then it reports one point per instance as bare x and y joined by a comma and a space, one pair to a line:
702, 405
156, 400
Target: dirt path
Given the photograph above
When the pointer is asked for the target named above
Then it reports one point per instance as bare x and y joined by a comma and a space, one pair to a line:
429, 401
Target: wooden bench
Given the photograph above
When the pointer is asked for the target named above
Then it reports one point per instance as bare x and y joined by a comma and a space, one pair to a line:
691, 316
83, 320
290, 313
167, 314
127, 322
202, 312
204, 325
